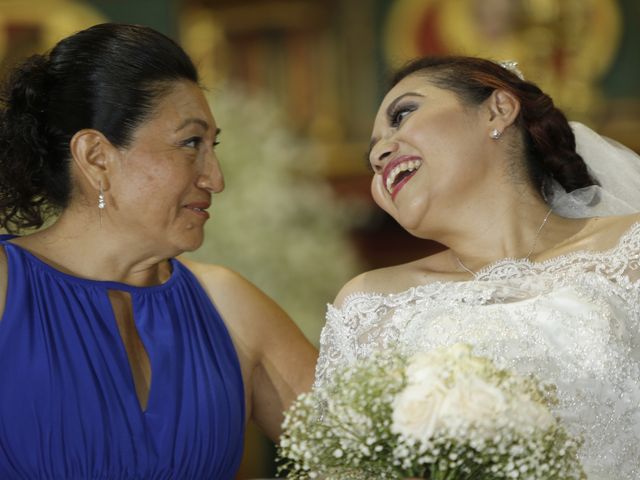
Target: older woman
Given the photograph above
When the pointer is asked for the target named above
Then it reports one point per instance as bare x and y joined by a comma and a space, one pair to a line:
467, 153
116, 359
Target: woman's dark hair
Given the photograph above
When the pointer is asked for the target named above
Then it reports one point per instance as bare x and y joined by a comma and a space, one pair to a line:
109, 78
549, 142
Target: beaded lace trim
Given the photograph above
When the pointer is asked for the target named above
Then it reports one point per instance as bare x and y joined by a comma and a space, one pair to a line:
572, 320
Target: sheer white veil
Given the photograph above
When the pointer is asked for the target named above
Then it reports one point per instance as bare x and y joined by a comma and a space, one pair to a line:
614, 166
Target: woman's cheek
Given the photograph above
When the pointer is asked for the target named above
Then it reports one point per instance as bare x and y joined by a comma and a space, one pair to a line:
378, 192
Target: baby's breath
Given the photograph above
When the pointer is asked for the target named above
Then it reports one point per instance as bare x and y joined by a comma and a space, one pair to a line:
443, 414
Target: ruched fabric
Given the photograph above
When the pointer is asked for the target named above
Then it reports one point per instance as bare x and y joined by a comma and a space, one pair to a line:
68, 404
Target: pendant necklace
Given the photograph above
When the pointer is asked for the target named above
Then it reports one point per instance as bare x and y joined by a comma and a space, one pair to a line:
527, 257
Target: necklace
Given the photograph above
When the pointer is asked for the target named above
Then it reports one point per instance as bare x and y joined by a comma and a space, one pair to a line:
527, 257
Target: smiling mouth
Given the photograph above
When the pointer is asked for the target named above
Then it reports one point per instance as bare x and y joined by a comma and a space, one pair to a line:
400, 175
200, 211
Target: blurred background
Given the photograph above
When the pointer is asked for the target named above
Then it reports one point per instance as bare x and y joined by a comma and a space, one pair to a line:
294, 85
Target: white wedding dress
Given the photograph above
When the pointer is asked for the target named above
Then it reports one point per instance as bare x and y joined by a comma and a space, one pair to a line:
573, 321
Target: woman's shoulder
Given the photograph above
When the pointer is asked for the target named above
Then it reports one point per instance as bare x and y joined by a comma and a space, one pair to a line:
227, 288
616, 226
605, 233
239, 301
212, 275
392, 279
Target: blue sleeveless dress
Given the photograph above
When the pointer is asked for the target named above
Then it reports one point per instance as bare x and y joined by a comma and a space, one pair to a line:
68, 405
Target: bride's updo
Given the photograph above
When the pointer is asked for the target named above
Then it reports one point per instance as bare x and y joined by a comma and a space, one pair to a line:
108, 78
549, 142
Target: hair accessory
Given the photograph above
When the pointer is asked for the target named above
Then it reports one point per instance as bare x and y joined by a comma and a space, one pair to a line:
512, 66
614, 166
495, 134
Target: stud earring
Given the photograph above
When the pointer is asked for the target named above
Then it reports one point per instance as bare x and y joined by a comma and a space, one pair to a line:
495, 134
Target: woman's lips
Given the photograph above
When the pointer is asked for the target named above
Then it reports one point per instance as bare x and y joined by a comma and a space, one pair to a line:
403, 167
199, 209
396, 188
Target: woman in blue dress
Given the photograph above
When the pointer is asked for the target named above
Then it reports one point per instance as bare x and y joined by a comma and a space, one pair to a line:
117, 360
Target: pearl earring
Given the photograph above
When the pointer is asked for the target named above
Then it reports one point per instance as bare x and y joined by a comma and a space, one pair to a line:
495, 134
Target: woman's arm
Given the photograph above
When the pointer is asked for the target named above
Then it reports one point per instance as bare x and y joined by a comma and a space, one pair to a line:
278, 361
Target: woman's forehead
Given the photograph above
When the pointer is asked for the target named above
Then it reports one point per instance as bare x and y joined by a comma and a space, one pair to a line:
186, 100
411, 83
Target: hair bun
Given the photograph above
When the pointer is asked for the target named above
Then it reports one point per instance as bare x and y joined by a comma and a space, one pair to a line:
23, 185
27, 92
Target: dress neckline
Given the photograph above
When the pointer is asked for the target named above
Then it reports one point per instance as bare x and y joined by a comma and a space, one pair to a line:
508, 268
106, 284
524, 265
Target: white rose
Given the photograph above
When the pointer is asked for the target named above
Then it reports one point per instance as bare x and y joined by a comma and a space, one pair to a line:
420, 368
416, 410
473, 401
526, 413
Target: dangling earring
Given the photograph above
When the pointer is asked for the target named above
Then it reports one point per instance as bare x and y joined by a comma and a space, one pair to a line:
495, 134
101, 203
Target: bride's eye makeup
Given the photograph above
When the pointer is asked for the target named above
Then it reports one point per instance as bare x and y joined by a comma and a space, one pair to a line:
397, 115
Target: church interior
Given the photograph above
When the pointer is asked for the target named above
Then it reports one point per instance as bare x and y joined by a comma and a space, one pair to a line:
295, 84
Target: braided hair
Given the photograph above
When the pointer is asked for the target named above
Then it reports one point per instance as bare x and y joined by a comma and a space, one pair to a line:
549, 142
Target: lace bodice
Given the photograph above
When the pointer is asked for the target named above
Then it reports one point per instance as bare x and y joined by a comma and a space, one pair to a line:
573, 321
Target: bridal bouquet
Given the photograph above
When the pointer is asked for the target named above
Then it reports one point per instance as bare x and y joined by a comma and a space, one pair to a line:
446, 414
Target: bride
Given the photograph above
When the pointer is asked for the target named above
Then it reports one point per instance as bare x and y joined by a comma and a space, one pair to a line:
540, 271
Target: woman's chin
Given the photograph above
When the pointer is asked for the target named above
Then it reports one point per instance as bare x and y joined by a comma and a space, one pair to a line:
189, 243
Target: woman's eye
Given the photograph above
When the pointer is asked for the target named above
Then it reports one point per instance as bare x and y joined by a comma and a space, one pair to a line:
193, 142
399, 114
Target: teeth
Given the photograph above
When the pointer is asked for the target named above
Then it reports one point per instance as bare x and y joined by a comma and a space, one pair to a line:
409, 166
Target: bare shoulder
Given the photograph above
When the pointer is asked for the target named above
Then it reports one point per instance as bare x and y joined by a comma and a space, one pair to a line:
277, 360
251, 315
596, 234
236, 298
606, 232
215, 276
385, 280
400, 278
619, 224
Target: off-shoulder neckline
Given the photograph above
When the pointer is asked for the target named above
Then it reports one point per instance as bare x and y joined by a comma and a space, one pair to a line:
517, 267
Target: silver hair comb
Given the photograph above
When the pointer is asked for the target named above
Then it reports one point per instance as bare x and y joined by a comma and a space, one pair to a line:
512, 66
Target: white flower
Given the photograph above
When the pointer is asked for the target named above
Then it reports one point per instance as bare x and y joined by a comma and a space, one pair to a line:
447, 409
532, 416
416, 410
473, 401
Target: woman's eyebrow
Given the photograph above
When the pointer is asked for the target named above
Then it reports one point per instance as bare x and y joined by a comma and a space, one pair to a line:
392, 105
389, 112
189, 121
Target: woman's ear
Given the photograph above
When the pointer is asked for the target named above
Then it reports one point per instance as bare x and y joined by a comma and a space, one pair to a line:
504, 108
93, 153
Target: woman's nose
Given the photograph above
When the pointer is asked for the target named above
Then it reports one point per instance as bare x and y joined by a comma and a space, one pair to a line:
381, 152
211, 177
